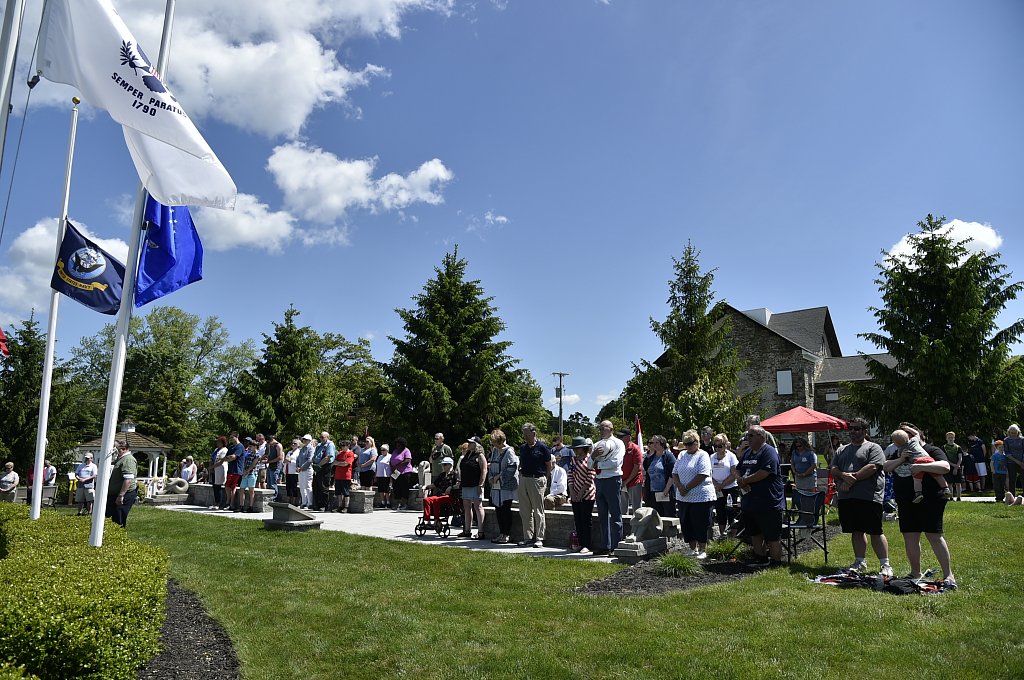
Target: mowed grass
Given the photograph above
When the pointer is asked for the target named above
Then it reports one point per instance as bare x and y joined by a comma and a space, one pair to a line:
331, 605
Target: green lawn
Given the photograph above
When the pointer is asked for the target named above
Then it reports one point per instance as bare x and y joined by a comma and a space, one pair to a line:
331, 605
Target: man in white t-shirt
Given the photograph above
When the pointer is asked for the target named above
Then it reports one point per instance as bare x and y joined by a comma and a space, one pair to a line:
606, 460
85, 493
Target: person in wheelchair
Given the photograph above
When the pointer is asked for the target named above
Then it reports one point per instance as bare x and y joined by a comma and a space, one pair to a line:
441, 493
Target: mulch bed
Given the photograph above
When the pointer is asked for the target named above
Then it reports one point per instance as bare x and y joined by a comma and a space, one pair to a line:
642, 579
195, 646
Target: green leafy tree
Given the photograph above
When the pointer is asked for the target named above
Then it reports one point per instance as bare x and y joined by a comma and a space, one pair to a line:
939, 321
449, 373
304, 382
176, 372
696, 382
578, 425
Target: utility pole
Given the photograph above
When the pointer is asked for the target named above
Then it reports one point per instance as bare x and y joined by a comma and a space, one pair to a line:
561, 375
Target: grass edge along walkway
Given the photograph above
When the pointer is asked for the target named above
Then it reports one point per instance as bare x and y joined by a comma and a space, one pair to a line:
329, 605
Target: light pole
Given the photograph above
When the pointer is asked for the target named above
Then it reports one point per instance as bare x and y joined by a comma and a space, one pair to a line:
561, 375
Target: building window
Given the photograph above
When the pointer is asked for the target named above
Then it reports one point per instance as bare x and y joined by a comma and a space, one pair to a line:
784, 381
832, 396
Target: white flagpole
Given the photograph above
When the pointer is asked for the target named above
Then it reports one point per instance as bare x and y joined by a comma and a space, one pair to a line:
51, 328
9, 37
123, 320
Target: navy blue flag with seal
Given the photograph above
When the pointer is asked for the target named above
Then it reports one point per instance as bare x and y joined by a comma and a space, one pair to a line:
87, 273
172, 255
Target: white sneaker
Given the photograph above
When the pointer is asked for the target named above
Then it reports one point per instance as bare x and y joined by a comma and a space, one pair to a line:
701, 556
857, 567
585, 551
885, 570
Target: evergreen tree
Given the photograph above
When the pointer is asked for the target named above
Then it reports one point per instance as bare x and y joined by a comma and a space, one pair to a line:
20, 383
938, 320
449, 373
304, 382
696, 383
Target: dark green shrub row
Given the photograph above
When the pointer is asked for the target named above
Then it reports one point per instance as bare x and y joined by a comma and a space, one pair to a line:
72, 611
15, 673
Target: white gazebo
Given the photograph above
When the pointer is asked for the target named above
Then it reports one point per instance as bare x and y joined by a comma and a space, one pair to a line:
154, 449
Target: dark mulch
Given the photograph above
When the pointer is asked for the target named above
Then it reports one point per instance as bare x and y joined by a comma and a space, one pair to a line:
195, 646
642, 579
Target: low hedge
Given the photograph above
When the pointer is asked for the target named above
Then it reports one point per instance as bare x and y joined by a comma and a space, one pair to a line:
68, 610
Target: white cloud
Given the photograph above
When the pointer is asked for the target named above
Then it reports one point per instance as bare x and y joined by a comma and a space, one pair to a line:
493, 218
223, 58
251, 224
321, 187
567, 400
603, 399
123, 209
25, 285
369, 336
982, 237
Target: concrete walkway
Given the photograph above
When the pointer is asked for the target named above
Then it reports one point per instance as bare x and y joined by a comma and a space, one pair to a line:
395, 526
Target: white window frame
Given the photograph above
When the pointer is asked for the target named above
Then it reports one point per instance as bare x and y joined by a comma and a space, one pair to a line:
784, 382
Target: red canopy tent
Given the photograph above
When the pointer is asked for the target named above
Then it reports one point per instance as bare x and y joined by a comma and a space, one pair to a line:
803, 419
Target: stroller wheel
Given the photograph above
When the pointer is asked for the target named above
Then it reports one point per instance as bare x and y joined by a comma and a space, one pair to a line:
445, 531
421, 529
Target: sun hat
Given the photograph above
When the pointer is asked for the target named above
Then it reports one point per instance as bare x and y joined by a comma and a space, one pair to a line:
447, 460
307, 437
580, 443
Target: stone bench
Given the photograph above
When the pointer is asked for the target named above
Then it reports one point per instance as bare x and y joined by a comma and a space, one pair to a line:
287, 517
202, 495
560, 523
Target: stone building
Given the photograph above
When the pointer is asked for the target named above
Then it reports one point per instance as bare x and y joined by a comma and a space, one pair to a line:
794, 359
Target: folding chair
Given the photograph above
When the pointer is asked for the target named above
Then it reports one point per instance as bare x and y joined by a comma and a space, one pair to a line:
806, 522
828, 485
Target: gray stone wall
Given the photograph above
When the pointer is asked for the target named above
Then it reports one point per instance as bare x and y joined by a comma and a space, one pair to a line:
766, 352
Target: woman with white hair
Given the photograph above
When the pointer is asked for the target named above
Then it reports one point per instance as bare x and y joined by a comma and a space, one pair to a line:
9, 484
1013, 447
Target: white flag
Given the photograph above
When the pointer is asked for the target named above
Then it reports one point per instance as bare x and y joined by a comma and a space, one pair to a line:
174, 177
85, 44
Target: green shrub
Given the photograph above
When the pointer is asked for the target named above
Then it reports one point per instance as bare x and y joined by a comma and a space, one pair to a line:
721, 550
677, 564
15, 673
73, 611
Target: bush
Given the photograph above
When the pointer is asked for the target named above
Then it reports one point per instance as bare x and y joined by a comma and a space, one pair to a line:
677, 564
73, 611
727, 548
15, 673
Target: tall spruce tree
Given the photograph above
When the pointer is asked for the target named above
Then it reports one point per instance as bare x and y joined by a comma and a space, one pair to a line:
304, 382
70, 414
938, 320
450, 373
695, 383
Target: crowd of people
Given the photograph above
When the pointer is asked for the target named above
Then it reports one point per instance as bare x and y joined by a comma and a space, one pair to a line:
702, 478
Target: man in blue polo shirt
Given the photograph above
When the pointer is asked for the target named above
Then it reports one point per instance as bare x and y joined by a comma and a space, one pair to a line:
535, 462
764, 497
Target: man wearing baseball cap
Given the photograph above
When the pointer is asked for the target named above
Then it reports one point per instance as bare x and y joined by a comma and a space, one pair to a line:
85, 493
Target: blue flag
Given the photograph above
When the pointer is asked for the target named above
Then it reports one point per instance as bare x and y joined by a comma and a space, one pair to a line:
85, 272
172, 256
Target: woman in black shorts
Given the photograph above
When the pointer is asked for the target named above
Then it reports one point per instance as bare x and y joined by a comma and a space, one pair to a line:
924, 517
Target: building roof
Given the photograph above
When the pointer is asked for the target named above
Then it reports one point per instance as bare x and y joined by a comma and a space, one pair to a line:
806, 328
136, 442
850, 369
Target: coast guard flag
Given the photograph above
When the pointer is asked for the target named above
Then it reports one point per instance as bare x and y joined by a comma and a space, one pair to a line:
85, 44
87, 273
172, 256
3, 344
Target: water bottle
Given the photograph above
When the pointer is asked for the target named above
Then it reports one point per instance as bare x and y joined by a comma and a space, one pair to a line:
574, 541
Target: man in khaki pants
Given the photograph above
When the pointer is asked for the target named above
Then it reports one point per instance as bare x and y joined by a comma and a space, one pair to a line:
535, 462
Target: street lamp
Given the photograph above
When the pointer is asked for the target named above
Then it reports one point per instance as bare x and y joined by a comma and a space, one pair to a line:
559, 393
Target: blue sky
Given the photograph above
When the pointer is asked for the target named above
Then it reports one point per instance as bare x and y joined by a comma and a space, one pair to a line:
569, 149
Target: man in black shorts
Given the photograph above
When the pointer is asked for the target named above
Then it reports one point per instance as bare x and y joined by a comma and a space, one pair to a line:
764, 497
857, 471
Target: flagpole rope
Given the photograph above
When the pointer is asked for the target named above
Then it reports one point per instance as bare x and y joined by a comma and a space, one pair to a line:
21, 132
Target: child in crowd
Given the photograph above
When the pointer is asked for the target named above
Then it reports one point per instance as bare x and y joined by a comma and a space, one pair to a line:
904, 443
